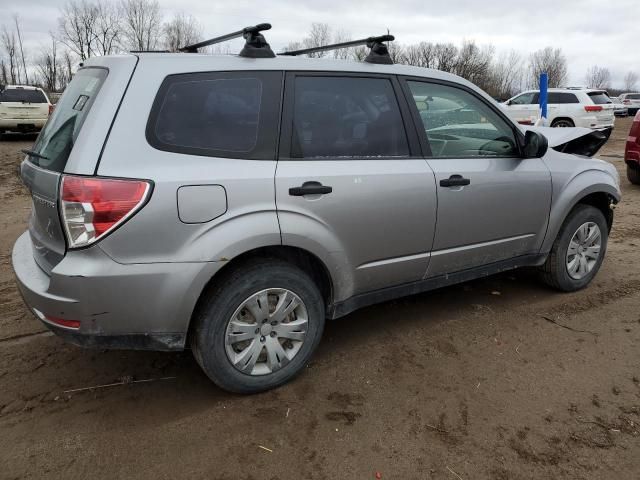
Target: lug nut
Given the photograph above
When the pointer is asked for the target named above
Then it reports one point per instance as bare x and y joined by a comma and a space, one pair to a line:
257, 331
262, 339
273, 334
274, 323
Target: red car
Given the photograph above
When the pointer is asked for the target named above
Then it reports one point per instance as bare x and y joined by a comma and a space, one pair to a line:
632, 151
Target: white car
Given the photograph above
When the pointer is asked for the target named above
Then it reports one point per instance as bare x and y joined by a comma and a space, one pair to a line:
631, 101
23, 108
566, 107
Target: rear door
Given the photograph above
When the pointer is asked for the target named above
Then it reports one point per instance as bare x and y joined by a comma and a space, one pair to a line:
43, 166
351, 181
493, 205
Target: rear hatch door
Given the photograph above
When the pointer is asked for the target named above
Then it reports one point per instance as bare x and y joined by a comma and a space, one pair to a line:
42, 169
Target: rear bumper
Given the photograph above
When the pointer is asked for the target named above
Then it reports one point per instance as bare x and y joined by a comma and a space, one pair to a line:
22, 124
595, 123
133, 306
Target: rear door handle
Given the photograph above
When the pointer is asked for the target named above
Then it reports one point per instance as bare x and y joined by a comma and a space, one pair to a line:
310, 188
454, 181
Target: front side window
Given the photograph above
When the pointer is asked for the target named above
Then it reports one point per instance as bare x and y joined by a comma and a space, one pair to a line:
525, 99
346, 117
459, 124
231, 115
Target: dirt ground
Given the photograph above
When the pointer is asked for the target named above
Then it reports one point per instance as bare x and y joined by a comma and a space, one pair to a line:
468, 382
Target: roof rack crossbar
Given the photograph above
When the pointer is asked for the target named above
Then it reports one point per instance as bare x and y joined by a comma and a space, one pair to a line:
255, 47
379, 52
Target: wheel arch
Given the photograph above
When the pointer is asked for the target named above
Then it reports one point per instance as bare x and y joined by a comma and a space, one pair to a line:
586, 190
556, 119
303, 259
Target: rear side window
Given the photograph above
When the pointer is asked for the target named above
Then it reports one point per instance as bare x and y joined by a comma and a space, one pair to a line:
562, 97
22, 95
56, 139
221, 114
599, 98
633, 96
346, 117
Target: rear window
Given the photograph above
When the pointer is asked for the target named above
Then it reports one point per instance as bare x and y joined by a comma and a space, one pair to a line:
600, 98
633, 96
55, 142
562, 97
22, 95
221, 114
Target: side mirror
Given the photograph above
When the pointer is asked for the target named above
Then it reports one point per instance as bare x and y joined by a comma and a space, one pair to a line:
535, 144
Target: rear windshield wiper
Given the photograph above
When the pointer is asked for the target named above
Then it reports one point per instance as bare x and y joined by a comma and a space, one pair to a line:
34, 154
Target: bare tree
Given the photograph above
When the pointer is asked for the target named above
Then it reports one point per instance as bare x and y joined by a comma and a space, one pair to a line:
397, 52
319, 35
107, 29
142, 24
474, 63
359, 53
3, 73
77, 26
48, 65
446, 57
9, 46
630, 81
598, 77
181, 30
340, 36
24, 64
549, 60
506, 75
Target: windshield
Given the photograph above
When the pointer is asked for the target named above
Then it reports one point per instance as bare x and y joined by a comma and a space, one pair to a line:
22, 95
55, 142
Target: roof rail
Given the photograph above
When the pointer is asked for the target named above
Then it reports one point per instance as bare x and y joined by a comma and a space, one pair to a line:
379, 52
255, 47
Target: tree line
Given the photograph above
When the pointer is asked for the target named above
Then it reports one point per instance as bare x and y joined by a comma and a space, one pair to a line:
500, 75
88, 28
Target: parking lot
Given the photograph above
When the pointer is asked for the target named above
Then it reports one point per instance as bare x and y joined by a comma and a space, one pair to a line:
499, 378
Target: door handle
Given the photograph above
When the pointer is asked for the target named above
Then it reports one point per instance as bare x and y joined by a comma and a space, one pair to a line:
454, 181
310, 188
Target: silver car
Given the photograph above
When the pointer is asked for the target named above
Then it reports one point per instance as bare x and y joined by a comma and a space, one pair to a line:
233, 204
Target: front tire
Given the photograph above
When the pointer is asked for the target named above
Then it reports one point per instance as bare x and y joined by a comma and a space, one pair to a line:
633, 174
257, 327
578, 251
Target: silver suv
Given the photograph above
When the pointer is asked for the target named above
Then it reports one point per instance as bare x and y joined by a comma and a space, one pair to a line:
233, 203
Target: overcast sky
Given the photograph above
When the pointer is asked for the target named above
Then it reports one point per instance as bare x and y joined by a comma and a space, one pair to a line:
588, 31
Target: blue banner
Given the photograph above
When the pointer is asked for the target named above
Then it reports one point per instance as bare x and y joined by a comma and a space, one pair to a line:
544, 87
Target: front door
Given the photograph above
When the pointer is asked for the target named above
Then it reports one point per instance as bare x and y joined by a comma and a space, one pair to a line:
351, 185
493, 205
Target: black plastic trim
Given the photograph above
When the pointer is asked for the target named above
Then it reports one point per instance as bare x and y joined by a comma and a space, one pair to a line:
340, 309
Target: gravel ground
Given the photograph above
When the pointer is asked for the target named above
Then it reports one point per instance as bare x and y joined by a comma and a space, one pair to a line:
467, 382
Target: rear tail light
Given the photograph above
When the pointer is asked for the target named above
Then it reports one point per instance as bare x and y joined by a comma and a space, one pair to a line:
51, 107
92, 206
593, 108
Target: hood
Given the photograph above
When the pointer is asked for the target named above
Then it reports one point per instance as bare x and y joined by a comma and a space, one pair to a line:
576, 140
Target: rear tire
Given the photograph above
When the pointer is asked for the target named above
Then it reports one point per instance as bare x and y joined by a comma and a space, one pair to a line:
558, 270
248, 345
633, 174
563, 123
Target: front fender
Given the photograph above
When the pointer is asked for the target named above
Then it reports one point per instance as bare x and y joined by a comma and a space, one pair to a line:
570, 192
